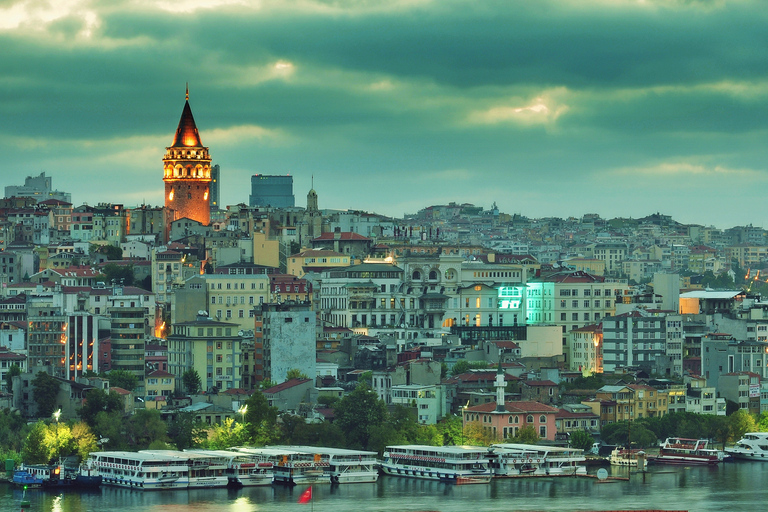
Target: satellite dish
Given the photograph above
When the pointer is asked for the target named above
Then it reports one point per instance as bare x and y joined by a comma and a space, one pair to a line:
602, 474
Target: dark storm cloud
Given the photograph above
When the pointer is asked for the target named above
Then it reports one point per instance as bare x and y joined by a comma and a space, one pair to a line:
532, 104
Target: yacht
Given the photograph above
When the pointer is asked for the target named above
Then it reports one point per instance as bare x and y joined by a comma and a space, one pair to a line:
753, 446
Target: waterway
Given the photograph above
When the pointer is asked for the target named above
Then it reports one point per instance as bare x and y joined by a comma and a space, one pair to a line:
730, 486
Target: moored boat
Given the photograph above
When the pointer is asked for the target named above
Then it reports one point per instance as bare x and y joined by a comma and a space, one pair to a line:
623, 457
752, 446
678, 450
444, 463
515, 460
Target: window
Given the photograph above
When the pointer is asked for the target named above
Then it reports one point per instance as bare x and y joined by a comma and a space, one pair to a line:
529, 418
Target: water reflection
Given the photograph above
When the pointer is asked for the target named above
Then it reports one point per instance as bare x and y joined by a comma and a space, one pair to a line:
731, 486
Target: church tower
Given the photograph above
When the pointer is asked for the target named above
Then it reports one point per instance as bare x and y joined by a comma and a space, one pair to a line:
187, 172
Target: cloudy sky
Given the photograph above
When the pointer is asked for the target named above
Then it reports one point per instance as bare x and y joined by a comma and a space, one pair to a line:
547, 107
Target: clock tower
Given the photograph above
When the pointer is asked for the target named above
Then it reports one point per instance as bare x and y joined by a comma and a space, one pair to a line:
187, 172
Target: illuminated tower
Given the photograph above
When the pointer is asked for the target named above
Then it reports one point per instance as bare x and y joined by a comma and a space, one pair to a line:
187, 172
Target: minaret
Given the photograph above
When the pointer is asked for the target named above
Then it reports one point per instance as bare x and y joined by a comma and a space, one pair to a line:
501, 386
187, 172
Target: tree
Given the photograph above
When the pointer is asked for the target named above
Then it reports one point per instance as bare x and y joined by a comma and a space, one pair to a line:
463, 366
119, 274
295, 373
184, 431
144, 428
260, 419
581, 440
191, 381
35, 450
527, 435
44, 389
123, 379
357, 414
740, 423
13, 371
226, 434
96, 401
110, 251
85, 440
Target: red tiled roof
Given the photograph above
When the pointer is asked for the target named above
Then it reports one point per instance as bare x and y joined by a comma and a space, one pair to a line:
285, 385
533, 383
160, 373
344, 235
521, 407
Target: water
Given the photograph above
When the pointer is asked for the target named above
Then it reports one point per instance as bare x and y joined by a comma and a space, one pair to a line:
733, 486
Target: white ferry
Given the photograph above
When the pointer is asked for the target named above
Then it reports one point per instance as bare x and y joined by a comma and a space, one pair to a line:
753, 446
251, 467
345, 466
514, 460
240, 469
205, 468
137, 470
453, 464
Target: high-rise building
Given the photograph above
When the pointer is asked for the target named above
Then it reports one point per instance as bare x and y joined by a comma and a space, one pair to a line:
187, 172
275, 191
215, 187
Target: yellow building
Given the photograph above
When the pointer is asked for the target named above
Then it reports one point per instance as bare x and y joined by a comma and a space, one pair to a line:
585, 349
232, 297
315, 259
265, 251
159, 386
211, 348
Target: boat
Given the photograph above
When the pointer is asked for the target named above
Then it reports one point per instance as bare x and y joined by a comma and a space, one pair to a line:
33, 476
141, 470
623, 457
678, 450
520, 460
305, 465
753, 446
206, 468
444, 463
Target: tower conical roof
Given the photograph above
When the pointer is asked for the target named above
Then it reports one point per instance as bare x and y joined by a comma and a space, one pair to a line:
186, 133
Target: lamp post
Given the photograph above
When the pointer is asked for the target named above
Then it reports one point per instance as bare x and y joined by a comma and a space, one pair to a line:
57, 415
242, 410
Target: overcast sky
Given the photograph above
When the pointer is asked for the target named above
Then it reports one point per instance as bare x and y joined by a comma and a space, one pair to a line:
548, 107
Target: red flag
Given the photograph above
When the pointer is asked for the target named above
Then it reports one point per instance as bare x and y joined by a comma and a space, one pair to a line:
306, 496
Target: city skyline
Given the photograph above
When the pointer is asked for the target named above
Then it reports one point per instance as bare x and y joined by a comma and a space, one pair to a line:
555, 108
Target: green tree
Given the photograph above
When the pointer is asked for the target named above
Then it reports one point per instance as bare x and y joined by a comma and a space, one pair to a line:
184, 431
44, 390
13, 371
13, 430
226, 434
59, 441
35, 451
144, 428
451, 429
260, 420
527, 435
463, 366
118, 274
581, 440
122, 379
98, 400
357, 414
739, 423
109, 429
110, 251
295, 373
191, 381
267, 383
85, 440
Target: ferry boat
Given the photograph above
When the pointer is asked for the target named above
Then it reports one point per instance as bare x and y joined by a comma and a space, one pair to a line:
678, 450
141, 470
243, 469
516, 460
299, 468
206, 468
451, 464
753, 446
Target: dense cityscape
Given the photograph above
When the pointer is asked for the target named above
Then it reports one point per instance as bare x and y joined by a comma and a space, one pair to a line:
195, 324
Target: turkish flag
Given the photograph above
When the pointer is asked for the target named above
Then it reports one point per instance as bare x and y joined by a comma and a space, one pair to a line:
306, 496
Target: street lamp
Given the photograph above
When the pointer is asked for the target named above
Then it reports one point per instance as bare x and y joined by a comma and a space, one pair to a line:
57, 415
242, 410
